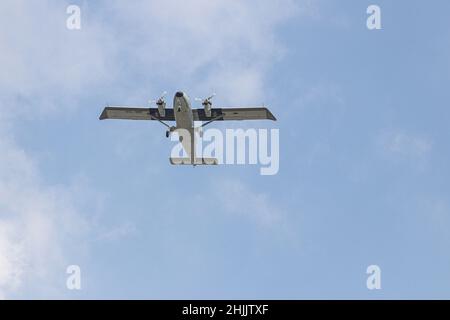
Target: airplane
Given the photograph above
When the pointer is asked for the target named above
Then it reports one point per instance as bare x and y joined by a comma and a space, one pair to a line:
184, 116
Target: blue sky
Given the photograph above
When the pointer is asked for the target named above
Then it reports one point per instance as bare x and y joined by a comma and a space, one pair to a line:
363, 173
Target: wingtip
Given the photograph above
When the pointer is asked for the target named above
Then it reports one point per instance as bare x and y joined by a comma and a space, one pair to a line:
103, 114
270, 116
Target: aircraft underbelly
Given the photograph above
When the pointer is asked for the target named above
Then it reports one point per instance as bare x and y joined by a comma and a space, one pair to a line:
184, 120
183, 113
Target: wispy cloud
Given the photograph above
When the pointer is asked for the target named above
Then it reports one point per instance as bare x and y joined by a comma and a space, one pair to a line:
45, 66
400, 143
44, 228
39, 224
234, 197
221, 45
218, 45
11, 259
125, 229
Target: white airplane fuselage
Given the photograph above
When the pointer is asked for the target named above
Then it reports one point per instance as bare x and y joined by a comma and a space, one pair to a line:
183, 111
185, 120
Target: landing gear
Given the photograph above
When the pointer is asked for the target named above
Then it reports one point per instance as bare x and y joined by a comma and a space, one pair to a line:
168, 132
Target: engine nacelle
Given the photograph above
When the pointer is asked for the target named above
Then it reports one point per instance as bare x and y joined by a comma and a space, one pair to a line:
207, 106
161, 108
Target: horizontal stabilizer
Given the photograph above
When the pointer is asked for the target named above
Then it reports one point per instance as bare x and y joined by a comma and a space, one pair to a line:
197, 161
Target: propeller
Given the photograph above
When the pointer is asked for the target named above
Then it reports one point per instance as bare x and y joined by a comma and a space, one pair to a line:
207, 104
206, 101
160, 100
160, 103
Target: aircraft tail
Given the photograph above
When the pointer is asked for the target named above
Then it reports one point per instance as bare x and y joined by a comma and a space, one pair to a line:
197, 161
188, 143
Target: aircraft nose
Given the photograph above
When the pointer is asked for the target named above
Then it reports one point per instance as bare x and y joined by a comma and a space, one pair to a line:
179, 94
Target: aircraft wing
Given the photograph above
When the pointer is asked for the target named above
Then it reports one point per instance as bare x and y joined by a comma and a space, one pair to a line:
136, 113
218, 114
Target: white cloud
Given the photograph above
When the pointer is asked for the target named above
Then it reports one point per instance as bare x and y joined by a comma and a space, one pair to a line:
37, 222
220, 45
204, 45
118, 232
11, 259
236, 198
400, 143
225, 46
44, 228
44, 64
